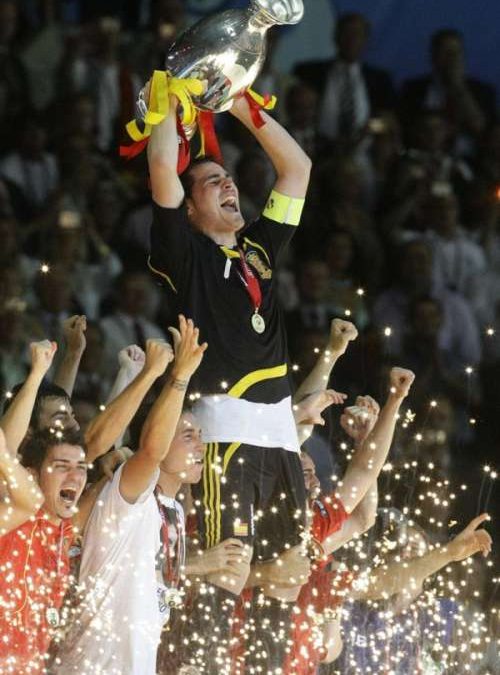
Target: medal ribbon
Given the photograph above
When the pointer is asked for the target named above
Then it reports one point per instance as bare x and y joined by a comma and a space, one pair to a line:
170, 575
251, 283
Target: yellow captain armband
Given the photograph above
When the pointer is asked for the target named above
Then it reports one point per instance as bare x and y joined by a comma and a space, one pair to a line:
283, 209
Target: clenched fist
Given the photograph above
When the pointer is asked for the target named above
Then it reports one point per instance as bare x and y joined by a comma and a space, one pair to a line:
158, 355
132, 359
401, 380
341, 333
74, 333
42, 355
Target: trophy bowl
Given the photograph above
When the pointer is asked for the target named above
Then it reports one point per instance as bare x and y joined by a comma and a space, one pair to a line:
226, 51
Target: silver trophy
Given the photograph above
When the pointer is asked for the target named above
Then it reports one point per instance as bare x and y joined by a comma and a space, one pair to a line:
226, 51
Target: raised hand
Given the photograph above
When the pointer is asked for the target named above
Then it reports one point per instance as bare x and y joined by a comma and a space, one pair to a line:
341, 333
188, 351
401, 380
74, 333
158, 355
132, 359
358, 420
42, 355
309, 410
369, 403
471, 540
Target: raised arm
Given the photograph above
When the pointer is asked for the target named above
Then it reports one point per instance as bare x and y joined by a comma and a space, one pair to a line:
341, 333
163, 153
367, 462
74, 338
23, 496
160, 425
360, 521
103, 432
292, 165
408, 576
16, 421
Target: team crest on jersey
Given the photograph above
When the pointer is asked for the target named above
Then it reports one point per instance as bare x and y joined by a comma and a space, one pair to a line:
259, 265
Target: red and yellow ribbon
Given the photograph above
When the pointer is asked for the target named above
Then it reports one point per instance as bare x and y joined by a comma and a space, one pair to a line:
163, 85
257, 103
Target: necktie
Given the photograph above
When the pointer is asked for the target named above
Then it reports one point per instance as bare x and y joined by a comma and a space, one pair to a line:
347, 105
140, 336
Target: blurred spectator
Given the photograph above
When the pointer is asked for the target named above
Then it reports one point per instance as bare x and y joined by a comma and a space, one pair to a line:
340, 185
54, 301
148, 49
117, 86
93, 65
254, 177
342, 259
16, 331
457, 259
458, 335
468, 104
316, 310
425, 166
30, 167
129, 323
386, 148
301, 109
350, 91
83, 169
440, 372
14, 90
91, 384
488, 161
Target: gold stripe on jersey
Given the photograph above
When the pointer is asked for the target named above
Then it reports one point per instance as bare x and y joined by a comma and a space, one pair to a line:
211, 496
227, 456
217, 509
162, 274
255, 377
206, 492
283, 209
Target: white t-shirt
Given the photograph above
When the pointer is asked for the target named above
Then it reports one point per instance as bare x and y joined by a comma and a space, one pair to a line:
118, 624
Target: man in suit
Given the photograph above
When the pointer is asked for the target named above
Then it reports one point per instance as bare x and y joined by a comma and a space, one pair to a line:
350, 91
467, 103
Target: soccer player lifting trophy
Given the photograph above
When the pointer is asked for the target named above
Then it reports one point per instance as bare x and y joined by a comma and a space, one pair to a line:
220, 271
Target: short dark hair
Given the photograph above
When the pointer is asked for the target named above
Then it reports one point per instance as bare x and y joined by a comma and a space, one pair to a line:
440, 36
46, 390
348, 17
135, 427
187, 179
38, 446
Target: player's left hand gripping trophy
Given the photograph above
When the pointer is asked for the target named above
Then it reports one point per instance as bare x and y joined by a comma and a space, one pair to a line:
210, 64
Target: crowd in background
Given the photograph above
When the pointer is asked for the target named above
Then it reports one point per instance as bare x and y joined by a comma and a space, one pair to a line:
400, 234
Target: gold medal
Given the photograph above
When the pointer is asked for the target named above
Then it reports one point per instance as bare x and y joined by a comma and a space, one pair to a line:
258, 323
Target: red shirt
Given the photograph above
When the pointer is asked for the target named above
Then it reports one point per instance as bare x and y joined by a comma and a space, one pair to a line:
34, 574
323, 590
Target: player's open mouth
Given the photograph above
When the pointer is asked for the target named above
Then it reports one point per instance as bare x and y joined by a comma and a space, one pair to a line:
68, 496
230, 204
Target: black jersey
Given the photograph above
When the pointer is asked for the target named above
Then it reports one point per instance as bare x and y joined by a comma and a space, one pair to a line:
205, 283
